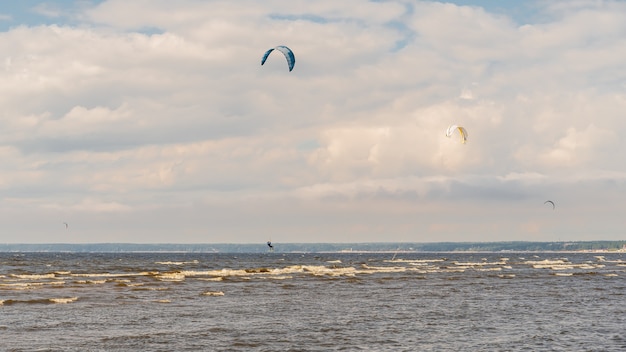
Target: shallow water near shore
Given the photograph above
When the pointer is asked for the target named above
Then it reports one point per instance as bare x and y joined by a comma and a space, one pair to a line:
313, 302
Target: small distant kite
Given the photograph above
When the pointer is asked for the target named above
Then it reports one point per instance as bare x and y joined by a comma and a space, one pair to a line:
269, 244
291, 59
461, 129
66, 225
551, 202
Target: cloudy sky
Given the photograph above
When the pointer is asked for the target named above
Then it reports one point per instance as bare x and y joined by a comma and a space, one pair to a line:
153, 121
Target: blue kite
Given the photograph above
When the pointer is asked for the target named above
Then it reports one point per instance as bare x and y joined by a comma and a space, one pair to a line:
291, 59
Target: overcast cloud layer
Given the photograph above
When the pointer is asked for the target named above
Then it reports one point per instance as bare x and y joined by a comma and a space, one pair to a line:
153, 121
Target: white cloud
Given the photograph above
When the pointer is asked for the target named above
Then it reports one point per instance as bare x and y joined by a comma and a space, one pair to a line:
576, 147
161, 109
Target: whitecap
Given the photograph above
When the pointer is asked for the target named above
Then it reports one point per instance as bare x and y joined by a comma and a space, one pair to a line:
278, 277
222, 273
114, 275
416, 261
382, 269
292, 269
33, 276
31, 285
64, 300
213, 293
212, 279
319, 270
177, 276
91, 282
506, 276
177, 263
545, 262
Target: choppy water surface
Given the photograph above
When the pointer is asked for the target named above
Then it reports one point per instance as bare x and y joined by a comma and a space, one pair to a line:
313, 302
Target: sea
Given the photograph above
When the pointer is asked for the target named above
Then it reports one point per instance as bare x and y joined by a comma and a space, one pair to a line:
365, 301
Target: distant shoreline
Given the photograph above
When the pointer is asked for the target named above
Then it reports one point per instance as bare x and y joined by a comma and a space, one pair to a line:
371, 247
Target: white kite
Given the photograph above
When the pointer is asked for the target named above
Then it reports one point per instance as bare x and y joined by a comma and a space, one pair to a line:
461, 129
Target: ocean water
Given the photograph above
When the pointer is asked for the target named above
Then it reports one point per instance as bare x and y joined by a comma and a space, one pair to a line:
313, 302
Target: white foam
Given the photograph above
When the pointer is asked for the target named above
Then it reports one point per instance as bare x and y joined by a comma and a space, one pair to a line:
558, 264
483, 263
31, 285
506, 276
63, 300
145, 288
19, 286
415, 261
319, 270
447, 270
545, 262
213, 293
555, 267
382, 269
33, 276
175, 276
212, 279
561, 265
279, 277
177, 263
113, 275
293, 269
91, 282
415, 264
221, 273
136, 284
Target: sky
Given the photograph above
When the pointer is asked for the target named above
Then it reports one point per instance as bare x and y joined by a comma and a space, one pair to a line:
152, 121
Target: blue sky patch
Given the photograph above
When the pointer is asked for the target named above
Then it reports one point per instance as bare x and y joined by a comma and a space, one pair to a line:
37, 12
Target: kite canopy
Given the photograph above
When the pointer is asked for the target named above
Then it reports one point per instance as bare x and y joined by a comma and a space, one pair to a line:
461, 129
291, 59
551, 202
